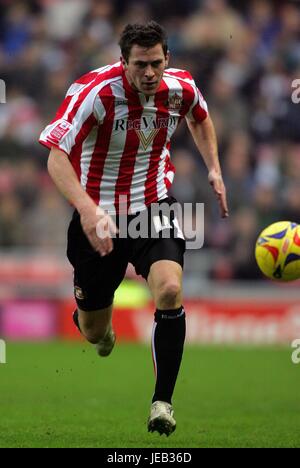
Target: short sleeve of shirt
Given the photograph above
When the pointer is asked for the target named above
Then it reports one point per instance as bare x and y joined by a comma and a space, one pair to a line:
197, 110
80, 111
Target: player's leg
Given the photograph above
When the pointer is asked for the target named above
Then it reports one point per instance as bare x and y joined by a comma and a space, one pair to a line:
165, 283
96, 279
160, 262
96, 327
96, 288
95, 324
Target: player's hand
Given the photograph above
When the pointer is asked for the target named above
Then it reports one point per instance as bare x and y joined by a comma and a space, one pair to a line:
99, 227
216, 181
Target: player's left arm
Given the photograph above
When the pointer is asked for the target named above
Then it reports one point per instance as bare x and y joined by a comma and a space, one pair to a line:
204, 135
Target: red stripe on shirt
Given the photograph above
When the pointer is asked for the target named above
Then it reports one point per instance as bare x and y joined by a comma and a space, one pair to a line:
169, 167
158, 143
199, 114
101, 148
188, 95
114, 72
189, 92
132, 142
75, 155
62, 109
87, 78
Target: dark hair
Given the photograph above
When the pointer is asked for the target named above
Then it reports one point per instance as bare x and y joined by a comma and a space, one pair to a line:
144, 35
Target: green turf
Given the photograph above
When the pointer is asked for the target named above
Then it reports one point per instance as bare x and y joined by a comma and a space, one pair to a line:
63, 395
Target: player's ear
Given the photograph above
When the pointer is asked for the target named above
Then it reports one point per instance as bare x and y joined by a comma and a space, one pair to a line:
123, 61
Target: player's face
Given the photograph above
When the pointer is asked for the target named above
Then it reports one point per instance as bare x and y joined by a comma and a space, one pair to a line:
145, 68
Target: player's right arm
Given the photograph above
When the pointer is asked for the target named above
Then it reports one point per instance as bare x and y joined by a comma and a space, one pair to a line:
91, 216
80, 111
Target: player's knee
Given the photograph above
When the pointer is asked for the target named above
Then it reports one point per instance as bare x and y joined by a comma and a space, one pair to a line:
169, 294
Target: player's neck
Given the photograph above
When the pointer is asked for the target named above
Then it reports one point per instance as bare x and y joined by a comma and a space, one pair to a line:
133, 87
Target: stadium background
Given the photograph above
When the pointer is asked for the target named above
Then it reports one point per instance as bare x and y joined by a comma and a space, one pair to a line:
244, 57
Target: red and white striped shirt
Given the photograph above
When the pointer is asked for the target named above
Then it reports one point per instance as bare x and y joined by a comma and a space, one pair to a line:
118, 140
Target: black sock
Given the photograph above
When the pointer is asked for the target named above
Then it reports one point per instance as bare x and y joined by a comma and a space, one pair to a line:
76, 320
167, 348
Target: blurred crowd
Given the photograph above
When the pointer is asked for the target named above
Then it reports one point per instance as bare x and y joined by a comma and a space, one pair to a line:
244, 57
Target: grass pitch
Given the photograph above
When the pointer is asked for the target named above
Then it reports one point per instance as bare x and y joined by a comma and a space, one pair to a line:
63, 395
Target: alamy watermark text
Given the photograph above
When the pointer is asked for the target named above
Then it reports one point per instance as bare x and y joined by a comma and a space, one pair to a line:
296, 354
296, 92
161, 220
2, 92
2, 352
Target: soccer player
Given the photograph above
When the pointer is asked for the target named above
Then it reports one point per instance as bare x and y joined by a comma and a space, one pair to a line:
110, 142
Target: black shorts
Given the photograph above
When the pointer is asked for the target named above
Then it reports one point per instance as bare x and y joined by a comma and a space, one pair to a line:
96, 278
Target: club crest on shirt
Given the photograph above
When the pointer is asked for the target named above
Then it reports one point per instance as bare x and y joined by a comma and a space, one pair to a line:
175, 102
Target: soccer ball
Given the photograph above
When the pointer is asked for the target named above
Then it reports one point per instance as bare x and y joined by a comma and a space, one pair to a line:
277, 251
